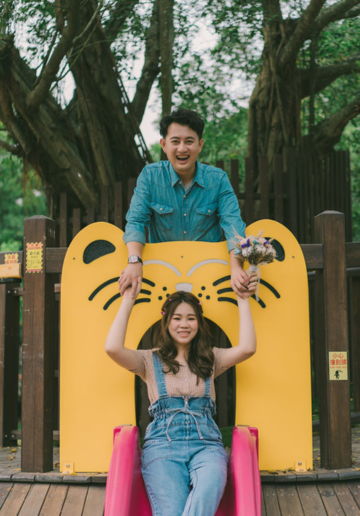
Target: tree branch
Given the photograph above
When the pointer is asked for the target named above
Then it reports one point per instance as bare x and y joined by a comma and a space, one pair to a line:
325, 75
119, 15
353, 13
333, 13
13, 149
38, 94
301, 33
151, 66
328, 133
166, 38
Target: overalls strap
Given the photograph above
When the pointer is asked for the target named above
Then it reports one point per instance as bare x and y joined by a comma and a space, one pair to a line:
159, 375
207, 386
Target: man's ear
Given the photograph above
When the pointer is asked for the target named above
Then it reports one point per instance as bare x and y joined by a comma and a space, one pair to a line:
201, 143
162, 143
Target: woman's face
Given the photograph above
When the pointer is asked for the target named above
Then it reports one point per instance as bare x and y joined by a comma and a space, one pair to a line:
183, 325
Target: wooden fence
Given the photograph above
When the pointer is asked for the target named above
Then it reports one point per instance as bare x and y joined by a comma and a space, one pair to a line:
292, 191
329, 260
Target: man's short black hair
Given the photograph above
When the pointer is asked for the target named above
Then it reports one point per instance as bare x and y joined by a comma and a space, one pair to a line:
183, 117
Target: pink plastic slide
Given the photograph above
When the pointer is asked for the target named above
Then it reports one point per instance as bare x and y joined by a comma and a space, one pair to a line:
125, 490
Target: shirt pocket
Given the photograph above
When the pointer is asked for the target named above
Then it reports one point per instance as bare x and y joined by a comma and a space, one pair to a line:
206, 216
162, 216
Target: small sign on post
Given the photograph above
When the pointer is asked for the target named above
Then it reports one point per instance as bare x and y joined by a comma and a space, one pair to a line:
338, 365
34, 257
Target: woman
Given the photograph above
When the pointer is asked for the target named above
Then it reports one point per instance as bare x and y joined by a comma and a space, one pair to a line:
184, 463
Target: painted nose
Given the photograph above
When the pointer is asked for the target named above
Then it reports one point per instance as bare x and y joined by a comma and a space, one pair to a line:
186, 287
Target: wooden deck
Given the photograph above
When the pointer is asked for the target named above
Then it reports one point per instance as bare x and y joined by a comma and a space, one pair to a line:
23, 499
284, 493
340, 499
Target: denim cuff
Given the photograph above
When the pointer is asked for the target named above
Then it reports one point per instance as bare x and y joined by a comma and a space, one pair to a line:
134, 236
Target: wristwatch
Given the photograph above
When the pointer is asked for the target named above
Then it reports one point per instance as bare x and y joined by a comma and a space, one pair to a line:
133, 258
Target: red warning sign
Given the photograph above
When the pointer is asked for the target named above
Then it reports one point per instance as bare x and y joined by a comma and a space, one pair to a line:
338, 365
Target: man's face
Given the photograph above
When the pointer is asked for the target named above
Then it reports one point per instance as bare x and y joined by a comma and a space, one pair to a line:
182, 147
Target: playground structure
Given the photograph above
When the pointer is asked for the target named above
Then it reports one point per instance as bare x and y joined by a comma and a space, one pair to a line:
330, 258
98, 395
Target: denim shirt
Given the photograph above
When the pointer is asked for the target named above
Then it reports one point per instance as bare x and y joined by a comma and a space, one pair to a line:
160, 202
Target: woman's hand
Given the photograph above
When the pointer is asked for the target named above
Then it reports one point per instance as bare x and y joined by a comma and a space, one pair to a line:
131, 293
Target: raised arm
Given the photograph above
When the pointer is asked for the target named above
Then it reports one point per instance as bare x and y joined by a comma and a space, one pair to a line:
114, 345
247, 338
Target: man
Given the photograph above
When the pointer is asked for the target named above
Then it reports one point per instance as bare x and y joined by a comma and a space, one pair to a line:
182, 199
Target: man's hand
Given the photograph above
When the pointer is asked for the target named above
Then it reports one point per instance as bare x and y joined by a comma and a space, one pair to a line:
131, 276
240, 283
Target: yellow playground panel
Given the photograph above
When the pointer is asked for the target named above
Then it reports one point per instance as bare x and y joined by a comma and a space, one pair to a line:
273, 389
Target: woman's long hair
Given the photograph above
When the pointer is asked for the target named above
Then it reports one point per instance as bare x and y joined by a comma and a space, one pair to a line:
201, 356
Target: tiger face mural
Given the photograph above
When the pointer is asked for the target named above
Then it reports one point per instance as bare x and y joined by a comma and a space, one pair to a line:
273, 389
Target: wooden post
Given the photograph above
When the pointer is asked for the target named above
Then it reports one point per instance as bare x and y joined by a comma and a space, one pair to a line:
278, 188
9, 361
292, 191
356, 341
264, 187
249, 190
331, 339
118, 205
37, 351
63, 220
234, 175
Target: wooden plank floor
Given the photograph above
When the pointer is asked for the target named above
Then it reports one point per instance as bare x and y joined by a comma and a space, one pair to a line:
338, 499
327, 499
51, 500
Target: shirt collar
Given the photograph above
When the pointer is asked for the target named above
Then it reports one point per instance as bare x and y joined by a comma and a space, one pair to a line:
199, 175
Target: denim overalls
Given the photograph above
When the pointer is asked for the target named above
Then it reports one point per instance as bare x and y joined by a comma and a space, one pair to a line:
183, 449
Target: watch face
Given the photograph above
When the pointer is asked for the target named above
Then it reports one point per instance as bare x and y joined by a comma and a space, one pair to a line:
133, 259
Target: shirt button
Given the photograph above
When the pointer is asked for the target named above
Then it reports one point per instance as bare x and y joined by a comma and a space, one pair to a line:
184, 196
184, 232
184, 214
160, 209
209, 211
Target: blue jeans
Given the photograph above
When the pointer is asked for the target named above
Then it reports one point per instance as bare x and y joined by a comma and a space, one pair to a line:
183, 461
170, 469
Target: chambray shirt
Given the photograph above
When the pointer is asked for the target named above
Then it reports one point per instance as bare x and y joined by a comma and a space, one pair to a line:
160, 202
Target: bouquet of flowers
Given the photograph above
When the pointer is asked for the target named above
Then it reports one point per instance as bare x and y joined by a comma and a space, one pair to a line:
256, 250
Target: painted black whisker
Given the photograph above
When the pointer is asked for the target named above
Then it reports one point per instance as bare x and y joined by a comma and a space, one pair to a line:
260, 301
224, 290
148, 282
100, 287
143, 300
228, 299
270, 287
221, 280
147, 292
111, 300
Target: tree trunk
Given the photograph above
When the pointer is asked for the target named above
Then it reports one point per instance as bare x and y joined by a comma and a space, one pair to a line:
274, 110
88, 144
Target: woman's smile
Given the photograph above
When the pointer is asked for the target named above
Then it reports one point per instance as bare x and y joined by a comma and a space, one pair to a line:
183, 326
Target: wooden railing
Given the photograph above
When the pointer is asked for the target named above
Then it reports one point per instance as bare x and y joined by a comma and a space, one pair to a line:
292, 191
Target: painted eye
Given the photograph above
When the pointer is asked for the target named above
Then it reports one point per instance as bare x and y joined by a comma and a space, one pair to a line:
97, 249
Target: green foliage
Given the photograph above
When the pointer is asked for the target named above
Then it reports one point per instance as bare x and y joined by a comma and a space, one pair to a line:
21, 195
350, 140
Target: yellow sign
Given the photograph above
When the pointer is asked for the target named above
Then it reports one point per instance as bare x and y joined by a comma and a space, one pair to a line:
34, 257
11, 258
338, 365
